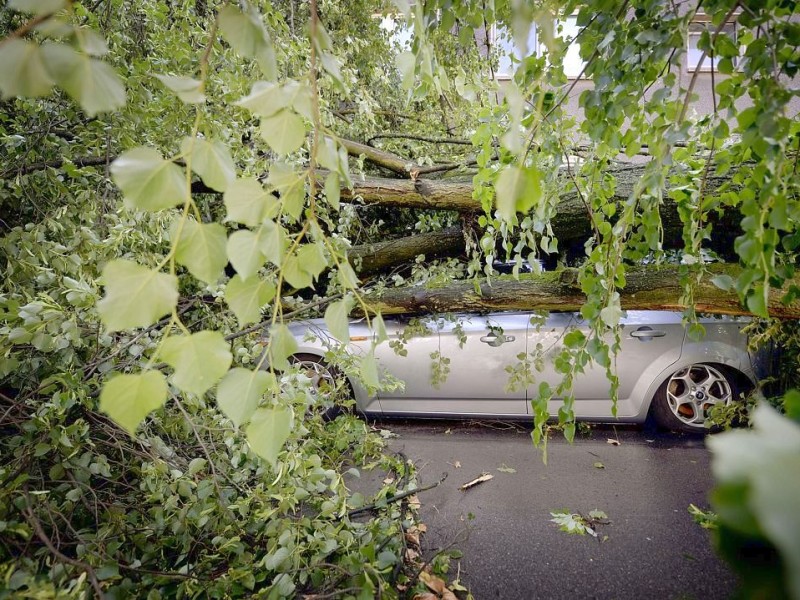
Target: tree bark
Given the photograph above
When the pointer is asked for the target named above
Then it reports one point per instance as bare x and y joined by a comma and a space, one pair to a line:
648, 288
571, 221
370, 258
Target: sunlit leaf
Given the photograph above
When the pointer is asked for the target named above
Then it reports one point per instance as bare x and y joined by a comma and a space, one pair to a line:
268, 430
517, 190
244, 252
337, 319
189, 90
265, 99
128, 399
272, 241
290, 185
90, 82
285, 131
201, 249
147, 181
135, 295
282, 345
332, 190
295, 274
369, 370
247, 202
246, 33
247, 297
37, 7
199, 360
240, 391
212, 161
22, 70
312, 259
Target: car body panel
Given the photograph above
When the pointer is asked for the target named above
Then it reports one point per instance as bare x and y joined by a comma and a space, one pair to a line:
477, 384
466, 341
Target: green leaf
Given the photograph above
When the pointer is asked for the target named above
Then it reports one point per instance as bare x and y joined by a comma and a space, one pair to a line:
337, 319
128, 399
757, 301
612, 313
369, 370
244, 252
212, 161
294, 273
285, 131
265, 99
199, 360
282, 345
37, 7
333, 190
147, 181
246, 34
22, 70
248, 203
379, 327
347, 276
517, 190
723, 282
201, 249
272, 238
247, 297
135, 295
90, 82
241, 390
291, 187
267, 432
189, 90
312, 258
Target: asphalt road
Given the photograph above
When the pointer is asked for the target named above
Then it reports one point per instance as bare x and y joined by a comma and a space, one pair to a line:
511, 549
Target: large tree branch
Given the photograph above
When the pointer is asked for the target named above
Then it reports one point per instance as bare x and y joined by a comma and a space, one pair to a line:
370, 258
647, 288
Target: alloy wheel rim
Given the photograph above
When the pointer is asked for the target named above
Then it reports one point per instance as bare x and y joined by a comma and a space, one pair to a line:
692, 391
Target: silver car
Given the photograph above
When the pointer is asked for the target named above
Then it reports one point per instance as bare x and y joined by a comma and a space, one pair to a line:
463, 366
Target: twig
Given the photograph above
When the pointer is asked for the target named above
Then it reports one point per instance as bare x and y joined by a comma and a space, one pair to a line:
37, 527
392, 499
419, 138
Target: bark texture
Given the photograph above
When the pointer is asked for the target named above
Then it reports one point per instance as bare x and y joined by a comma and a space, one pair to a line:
648, 288
381, 256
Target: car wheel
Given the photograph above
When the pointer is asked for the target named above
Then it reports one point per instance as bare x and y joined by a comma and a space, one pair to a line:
328, 386
684, 399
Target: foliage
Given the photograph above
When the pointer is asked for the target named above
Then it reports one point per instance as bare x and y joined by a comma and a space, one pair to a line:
758, 479
173, 171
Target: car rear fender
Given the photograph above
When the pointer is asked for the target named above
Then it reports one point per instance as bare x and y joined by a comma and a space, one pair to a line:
733, 357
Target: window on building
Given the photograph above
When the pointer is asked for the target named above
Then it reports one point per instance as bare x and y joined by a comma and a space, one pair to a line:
509, 55
694, 53
400, 33
573, 63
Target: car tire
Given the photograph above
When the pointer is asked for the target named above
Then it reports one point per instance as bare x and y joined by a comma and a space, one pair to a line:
683, 400
329, 386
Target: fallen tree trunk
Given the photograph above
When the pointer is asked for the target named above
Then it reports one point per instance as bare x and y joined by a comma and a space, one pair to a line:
370, 258
570, 222
648, 288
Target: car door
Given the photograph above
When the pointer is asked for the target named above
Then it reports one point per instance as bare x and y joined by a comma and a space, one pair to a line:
455, 366
650, 342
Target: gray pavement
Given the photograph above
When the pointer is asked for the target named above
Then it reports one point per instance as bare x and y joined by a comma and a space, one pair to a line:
512, 550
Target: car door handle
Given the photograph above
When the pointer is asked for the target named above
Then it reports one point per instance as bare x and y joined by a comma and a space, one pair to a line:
496, 340
647, 333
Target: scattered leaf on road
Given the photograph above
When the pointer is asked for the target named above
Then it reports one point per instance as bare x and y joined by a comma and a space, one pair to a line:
599, 465
388, 480
597, 514
414, 502
433, 583
504, 468
612, 442
481, 479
